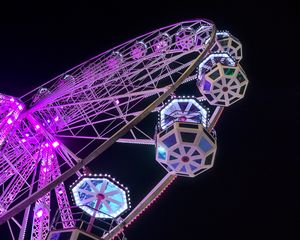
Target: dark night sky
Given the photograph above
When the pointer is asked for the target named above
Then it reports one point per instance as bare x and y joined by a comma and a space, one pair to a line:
252, 191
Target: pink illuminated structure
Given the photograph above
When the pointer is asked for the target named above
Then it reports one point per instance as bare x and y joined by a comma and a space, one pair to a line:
51, 133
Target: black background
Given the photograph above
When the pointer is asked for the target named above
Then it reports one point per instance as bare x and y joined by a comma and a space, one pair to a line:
252, 191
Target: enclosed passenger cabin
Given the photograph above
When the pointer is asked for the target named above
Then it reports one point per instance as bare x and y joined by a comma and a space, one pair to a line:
183, 144
221, 80
226, 42
100, 192
99, 200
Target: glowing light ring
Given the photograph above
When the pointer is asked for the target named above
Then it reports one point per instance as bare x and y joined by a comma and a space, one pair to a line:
115, 60
139, 50
185, 39
161, 43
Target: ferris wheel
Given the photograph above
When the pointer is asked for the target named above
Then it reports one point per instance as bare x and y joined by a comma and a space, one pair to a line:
55, 130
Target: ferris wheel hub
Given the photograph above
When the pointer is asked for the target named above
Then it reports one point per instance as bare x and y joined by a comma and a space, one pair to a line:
185, 159
100, 196
225, 89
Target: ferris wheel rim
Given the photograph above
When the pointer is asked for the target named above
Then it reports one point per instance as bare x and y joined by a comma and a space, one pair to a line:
112, 49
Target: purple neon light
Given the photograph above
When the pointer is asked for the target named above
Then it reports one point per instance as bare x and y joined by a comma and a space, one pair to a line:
55, 144
40, 213
185, 39
139, 50
10, 111
114, 60
161, 43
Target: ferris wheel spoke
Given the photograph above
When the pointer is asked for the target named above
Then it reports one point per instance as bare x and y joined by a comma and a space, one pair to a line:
137, 80
86, 191
114, 201
194, 163
182, 150
176, 154
144, 134
226, 97
103, 186
111, 193
220, 95
189, 152
93, 187
180, 165
78, 119
232, 92
145, 141
188, 107
176, 161
231, 81
188, 167
11, 231
218, 85
14, 189
223, 81
111, 130
216, 91
87, 200
108, 109
195, 157
107, 206
177, 107
16, 222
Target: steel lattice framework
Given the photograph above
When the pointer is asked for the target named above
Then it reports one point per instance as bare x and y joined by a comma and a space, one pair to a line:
97, 103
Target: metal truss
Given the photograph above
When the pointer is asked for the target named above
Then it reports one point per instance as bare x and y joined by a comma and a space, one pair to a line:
98, 102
